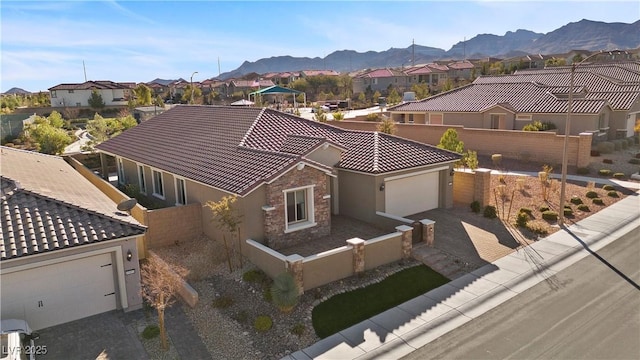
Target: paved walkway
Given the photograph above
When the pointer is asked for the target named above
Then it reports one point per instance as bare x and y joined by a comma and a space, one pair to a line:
400, 330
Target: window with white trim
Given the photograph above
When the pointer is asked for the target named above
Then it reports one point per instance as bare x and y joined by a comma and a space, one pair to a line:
299, 212
54, 94
120, 168
158, 184
181, 192
142, 184
522, 117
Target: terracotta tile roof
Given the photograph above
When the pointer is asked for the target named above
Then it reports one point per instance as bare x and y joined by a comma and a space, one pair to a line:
237, 149
381, 73
46, 205
320, 72
460, 65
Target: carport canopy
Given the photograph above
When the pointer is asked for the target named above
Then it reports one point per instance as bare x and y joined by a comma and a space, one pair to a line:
276, 89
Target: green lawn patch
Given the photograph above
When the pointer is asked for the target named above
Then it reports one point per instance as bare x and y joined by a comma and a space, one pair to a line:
346, 309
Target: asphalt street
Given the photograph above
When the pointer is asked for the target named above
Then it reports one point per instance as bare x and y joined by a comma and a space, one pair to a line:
590, 310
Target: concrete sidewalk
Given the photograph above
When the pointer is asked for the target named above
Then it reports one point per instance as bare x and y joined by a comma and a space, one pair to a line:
400, 330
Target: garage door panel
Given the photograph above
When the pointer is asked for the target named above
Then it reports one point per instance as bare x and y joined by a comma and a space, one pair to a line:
62, 292
412, 194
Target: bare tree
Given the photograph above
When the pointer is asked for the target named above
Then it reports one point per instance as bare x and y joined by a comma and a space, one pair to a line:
228, 220
160, 284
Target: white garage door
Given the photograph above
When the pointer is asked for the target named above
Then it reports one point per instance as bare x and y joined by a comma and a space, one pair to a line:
413, 194
58, 293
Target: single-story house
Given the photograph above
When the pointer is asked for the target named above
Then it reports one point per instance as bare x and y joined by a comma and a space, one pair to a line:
113, 94
290, 174
67, 252
606, 101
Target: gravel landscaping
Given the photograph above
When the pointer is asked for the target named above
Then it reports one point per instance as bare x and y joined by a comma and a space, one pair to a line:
228, 305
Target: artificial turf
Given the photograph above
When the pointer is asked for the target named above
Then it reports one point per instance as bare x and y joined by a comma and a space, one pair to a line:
344, 310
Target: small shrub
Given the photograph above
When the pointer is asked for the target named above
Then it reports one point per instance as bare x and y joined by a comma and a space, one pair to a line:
583, 170
150, 332
598, 201
595, 153
605, 147
568, 212
255, 276
591, 194
538, 227
222, 302
604, 172
475, 206
526, 211
338, 116
576, 200
607, 161
490, 212
543, 208
607, 187
284, 292
584, 207
550, 215
618, 176
266, 294
522, 218
634, 161
613, 194
372, 117
624, 144
298, 329
263, 323
241, 316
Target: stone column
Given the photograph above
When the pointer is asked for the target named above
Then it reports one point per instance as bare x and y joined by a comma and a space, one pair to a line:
407, 238
482, 187
295, 268
428, 231
358, 254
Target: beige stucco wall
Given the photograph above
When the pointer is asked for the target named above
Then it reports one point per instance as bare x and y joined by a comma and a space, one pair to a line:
168, 226
64, 98
377, 253
320, 270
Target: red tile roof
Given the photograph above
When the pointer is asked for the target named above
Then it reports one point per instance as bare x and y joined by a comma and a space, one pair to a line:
237, 149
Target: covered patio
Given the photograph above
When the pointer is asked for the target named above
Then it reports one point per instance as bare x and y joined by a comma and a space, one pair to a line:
279, 90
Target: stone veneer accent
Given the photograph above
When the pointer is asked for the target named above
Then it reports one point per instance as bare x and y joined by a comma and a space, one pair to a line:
274, 220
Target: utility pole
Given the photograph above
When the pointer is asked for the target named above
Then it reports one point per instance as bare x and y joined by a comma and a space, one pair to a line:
85, 71
413, 52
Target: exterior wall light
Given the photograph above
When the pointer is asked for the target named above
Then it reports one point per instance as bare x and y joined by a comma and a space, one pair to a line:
129, 255
382, 187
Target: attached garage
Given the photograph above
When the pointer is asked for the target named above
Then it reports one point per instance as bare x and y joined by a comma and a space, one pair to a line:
66, 251
60, 292
412, 193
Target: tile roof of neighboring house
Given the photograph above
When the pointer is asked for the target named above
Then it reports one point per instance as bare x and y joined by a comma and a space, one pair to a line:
251, 83
461, 65
46, 205
519, 97
618, 83
237, 149
427, 69
90, 85
381, 73
320, 72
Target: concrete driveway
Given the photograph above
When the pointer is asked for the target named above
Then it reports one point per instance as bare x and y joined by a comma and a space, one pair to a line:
108, 334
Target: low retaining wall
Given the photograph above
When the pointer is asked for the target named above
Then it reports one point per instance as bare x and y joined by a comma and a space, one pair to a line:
355, 257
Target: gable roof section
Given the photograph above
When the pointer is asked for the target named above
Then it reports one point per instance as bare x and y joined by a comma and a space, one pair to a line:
46, 205
91, 85
237, 149
524, 97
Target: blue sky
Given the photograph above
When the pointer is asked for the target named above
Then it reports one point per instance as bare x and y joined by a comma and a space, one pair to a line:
44, 43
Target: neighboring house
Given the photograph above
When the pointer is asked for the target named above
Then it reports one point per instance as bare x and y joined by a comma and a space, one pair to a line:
66, 251
247, 86
113, 94
536, 61
308, 73
606, 101
380, 80
290, 174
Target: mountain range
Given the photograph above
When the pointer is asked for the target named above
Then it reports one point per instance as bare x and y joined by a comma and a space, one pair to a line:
582, 35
